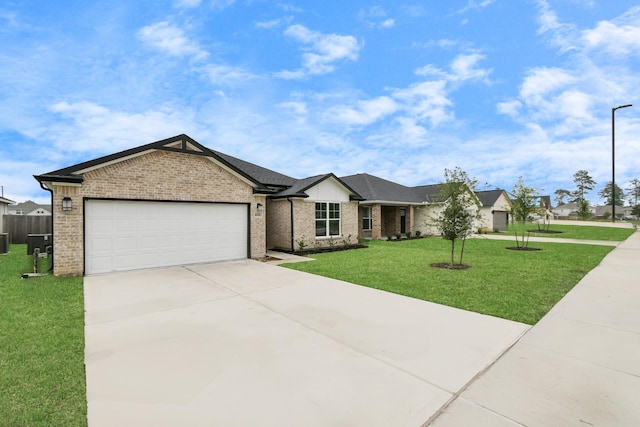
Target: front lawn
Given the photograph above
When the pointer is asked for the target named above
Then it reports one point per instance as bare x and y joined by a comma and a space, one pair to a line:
576, 232
516, 285
42, 377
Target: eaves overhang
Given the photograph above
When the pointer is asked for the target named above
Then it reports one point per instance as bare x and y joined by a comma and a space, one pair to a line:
392, 203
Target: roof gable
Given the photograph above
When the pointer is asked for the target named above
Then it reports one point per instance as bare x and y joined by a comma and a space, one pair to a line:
179, 144
300, 187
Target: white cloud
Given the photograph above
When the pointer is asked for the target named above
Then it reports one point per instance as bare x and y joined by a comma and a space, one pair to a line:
510, 108
541, 81
225, 75
274, 23
611, 38
464, 68
364, 113
473, 4
561, 35
86, 126
297, 108
388, 23
426, 101
376, 17
322, 51
170, 39
187, 3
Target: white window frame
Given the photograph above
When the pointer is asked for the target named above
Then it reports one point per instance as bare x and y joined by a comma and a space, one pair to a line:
367, 214
328, 220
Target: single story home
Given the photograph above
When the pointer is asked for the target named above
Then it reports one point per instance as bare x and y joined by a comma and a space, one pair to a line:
175, 202
495, 209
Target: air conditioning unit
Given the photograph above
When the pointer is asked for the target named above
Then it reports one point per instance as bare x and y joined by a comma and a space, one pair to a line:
39, 241
4, 243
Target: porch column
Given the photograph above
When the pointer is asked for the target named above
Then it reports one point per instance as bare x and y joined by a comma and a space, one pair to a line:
376, 222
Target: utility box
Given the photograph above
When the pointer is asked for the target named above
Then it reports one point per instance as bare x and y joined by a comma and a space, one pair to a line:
4, 243
40, 241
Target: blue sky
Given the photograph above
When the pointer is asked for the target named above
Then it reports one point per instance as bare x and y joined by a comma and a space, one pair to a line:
398, 89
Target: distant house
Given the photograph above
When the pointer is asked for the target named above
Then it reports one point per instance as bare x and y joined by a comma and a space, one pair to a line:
545, 203
390, 208
4, 210
569, 211
495, 209
621, 211
30, 208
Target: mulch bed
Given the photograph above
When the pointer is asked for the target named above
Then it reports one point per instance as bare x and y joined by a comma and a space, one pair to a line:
336, 248
523, 248
448, 266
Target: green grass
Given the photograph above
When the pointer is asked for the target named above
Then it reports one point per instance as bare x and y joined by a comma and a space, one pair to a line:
42, 378
577, 232
516, 285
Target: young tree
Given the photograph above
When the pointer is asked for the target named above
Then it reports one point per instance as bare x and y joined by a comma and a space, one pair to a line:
460, 208
584, 212
605, 193
561, 195
584, 184
524, 208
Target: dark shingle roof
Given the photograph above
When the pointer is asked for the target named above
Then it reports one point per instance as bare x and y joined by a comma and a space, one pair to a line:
428, 193
260, 174
374, 188
489, 197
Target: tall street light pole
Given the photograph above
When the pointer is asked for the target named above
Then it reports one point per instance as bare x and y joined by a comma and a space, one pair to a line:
613, 159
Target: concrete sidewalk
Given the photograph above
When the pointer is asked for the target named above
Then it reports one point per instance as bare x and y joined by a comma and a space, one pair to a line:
547, 240
578, 366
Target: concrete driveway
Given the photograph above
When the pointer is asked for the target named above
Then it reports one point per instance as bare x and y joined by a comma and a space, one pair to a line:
249, 343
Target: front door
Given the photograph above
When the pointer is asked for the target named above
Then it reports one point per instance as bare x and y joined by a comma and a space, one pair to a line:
403, 220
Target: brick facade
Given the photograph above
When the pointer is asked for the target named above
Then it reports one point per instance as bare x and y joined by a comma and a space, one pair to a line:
158, 175
279, 225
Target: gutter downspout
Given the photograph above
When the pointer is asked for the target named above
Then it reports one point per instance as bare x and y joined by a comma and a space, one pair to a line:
52, 213
291, 216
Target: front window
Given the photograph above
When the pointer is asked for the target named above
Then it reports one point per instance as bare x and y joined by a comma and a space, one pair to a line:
366, 218
327, 219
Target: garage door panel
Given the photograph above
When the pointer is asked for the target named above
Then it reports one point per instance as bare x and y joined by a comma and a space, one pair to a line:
126, 235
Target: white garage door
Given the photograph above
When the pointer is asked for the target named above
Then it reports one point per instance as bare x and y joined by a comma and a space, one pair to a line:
129, 235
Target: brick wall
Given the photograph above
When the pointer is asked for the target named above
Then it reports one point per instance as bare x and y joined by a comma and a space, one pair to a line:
159, 175
305, 224
279, 224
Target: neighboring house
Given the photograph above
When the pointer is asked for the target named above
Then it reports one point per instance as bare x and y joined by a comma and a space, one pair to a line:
4, 210
30, 208
545, 203
174, 202
621, 211
390, 208
495, 209
567, 210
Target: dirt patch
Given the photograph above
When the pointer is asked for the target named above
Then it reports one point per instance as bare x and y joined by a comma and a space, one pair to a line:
545, 231
448, 266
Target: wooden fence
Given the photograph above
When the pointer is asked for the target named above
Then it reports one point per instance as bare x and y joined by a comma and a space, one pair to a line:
19, 226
